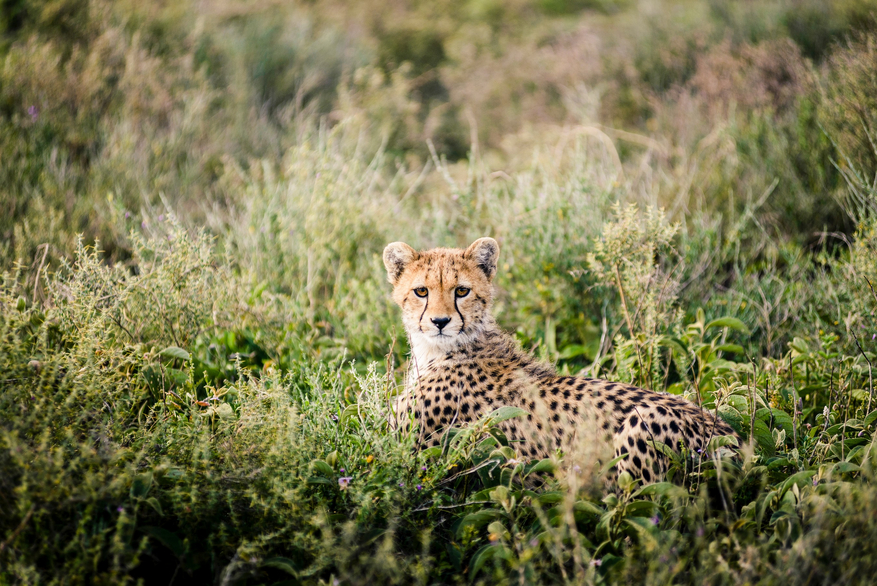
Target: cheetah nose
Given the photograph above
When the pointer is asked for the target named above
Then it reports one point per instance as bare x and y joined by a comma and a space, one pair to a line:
440, 322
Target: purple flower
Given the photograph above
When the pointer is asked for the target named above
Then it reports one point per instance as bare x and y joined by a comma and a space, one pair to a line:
576, 468
334, 417
656, 519
597, 563
343, 471
34, 113
815, 481
423, 468
127, 215
143, 225
860, 433
699, 532
534, 542
161, 217
120, 509
344, 481
401, 485
419, 487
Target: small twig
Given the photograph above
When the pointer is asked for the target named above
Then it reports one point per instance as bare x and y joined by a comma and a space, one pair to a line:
448, 507
794, 404
18, 529
484, 464
36, 282
870, 373
639, 357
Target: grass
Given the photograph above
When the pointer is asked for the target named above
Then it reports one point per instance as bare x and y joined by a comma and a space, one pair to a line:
196, 388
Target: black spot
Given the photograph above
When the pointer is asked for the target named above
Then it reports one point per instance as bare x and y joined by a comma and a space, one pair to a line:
566, 406
630, 440
553, 405
436, 410
449, 396
647, 476
555, 418
430, 422
674, 427
661, 410
427, 402
489, 386
641, 444
600, 405
637, 462
464, 408
580, 386
656, 429
447, 410
634, 420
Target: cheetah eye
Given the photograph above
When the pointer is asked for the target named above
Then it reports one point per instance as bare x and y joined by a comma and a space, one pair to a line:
462, 291
421, 291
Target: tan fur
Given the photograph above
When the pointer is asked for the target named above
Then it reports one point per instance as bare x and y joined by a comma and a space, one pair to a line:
470, 367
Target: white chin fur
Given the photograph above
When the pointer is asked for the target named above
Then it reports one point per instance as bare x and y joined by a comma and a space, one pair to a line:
426, 347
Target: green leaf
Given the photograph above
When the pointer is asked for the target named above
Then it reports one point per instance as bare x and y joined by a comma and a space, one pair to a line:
764, 438
667, 489
641, 509
721, 441
166, 538
481, 557
281, 563
321, 467
153, 502
175, 352
141, 485
506, 412
550, 498
611, 463
780, 418
572, 351
728, 322
477, 519
588, 507
733, 348
540, 466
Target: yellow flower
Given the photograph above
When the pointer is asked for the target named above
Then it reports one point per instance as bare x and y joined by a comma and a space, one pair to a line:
369, 459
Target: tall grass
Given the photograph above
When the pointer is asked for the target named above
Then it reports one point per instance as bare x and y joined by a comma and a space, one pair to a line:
197, 388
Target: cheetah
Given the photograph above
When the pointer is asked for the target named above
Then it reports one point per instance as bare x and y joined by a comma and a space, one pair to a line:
463, 366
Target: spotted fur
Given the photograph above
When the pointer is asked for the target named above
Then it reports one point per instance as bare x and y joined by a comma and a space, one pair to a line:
463, 367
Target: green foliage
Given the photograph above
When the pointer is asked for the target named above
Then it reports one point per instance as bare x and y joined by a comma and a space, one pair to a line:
198, 354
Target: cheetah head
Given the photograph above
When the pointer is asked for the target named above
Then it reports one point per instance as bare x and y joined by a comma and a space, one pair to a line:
445, 293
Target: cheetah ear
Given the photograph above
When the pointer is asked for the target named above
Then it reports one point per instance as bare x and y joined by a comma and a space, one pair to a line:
484, 252
397, 255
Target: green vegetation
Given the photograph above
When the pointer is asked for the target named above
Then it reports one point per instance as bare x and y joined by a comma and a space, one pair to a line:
197, 346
